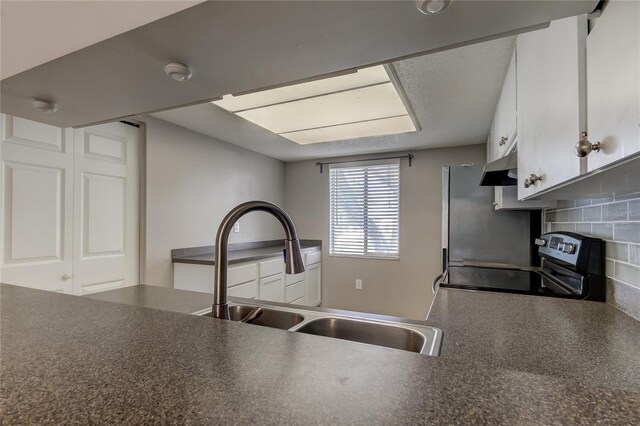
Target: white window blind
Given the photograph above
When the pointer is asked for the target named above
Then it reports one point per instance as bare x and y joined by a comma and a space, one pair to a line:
364, 210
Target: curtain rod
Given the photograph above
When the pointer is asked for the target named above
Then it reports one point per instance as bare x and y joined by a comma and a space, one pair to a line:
408, 156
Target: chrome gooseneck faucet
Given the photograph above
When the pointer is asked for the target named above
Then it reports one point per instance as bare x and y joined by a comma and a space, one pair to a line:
292, 255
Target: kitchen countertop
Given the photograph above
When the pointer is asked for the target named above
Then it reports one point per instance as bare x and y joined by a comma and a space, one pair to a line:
69, 359
248, 253
589, 342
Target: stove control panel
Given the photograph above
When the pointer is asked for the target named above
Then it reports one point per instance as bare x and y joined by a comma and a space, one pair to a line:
568, 248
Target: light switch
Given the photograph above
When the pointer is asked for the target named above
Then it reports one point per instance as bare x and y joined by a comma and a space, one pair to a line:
358, 284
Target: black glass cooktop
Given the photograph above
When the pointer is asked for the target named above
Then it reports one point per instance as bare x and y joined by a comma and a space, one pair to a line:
510, 281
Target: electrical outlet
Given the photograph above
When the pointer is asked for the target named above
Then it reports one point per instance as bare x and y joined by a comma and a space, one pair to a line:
358, 284
236, 227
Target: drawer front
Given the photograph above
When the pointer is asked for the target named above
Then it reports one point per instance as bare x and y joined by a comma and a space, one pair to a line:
292, 279
314, 257
294, 291
299, 301
272, 288
247, 290
271, 267
241, 273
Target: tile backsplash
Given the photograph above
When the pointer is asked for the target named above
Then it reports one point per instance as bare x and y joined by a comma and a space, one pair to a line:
617, 221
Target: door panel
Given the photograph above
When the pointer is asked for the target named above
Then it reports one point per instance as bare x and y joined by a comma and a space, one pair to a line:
32, 134
35, 219
37, 205
106, 208
104, 215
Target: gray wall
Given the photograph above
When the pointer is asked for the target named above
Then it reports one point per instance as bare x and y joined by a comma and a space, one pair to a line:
617, 221
403, 287
193, 180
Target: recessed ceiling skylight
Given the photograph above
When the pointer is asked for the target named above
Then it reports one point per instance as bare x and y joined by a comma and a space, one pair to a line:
362, 104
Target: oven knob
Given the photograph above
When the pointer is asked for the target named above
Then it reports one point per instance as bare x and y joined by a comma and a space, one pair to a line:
540, 242
568, 248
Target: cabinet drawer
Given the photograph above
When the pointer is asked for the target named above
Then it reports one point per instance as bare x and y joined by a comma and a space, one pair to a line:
241, 273
294, 291
271, 267
247, 290
314, 257
272, 288
299, 301
292, 279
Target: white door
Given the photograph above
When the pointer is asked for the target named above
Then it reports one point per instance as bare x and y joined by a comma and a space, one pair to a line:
106, 194
613, 83
551, 102
37, 205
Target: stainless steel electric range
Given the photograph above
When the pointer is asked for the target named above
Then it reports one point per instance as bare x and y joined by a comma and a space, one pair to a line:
572, 267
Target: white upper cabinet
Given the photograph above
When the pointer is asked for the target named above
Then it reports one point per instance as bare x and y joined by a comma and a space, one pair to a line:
551, 103
613, 83
505, 119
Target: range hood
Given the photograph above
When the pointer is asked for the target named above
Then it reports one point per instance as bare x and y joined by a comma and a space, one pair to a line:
502, 172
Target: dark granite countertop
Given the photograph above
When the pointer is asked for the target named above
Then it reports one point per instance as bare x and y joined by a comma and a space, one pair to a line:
590, 342
239, 252
68, 359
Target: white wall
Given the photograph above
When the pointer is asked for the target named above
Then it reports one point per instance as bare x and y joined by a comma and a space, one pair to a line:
401, 288
193, 180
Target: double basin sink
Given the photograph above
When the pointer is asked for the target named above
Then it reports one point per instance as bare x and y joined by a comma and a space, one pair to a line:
356, 327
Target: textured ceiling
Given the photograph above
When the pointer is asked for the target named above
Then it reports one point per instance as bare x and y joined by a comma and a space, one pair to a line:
453, 94
34, 32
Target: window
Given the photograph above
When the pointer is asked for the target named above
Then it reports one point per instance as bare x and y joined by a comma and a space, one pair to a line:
364, 210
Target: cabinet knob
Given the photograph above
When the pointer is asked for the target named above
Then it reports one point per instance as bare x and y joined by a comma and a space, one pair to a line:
531, 180
66, 277
503, 140
584, 146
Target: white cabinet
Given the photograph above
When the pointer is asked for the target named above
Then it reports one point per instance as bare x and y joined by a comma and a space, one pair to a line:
504, 123
242, 278
551, 103
261, 280
613, 83
313, 279
506, 198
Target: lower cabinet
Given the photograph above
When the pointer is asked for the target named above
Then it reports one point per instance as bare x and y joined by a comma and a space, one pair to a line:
313, 285
262, 280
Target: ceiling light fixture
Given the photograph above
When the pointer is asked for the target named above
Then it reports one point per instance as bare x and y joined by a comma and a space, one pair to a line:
366, 103
177, 71
431, 7
44, 106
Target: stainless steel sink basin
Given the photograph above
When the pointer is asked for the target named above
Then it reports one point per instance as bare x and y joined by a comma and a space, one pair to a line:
390, 336
353, 326
270, 318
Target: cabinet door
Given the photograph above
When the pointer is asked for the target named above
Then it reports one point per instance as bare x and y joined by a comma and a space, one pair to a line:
272, 288
613, 83
505, 119
551, 102
492, 147
313, 285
